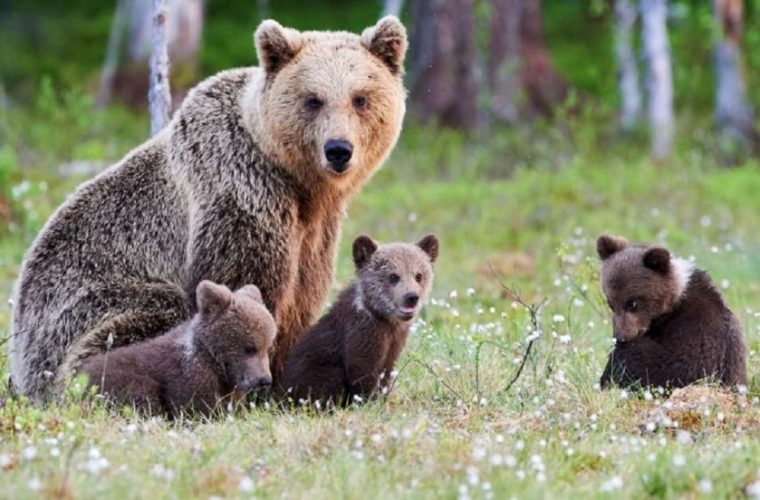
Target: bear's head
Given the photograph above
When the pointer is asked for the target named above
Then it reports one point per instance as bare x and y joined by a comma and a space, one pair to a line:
394, 279
237, 331
640, 282
328, 105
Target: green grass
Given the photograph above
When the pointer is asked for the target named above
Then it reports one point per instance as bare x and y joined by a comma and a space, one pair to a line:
449, 428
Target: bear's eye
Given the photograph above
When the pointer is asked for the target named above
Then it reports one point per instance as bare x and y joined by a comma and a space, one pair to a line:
394, 278
418, 277
250, 350
360, 102
632, 305
314, 103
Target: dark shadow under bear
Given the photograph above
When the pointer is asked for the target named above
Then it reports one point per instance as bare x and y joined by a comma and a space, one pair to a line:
671, 324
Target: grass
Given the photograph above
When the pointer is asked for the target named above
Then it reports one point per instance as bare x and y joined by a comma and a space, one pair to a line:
449, 428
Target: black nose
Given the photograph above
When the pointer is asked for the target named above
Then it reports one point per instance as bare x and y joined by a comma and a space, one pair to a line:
264, 382
338, 153
411, 299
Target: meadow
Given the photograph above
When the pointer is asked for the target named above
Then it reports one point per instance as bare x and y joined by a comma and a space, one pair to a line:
517, 212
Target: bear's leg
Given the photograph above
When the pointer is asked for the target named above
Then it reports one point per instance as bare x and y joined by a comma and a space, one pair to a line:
126, 313
635, 362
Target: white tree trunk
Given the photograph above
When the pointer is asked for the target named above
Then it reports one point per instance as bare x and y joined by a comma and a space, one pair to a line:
184, 29
659, 75
159, 95
111, 63
628, 73
733, 111
392, 7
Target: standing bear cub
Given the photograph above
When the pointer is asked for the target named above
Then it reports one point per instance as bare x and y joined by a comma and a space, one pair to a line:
221, 354
671, 324
352, 349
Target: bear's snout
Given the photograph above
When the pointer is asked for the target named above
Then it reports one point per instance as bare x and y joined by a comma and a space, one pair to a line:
411, 299
250, 383
338, 152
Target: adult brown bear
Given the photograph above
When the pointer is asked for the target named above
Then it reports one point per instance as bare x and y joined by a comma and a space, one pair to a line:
248, 184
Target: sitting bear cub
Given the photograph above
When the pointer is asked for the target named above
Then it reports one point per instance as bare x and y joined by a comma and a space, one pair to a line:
352, 349
222, 353
671, 324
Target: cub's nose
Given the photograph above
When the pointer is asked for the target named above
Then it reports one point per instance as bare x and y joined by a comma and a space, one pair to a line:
338, 153
411, 299
264, 382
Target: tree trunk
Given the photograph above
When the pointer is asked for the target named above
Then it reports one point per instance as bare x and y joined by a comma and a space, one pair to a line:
659, 76
111, 64
733, 112
392, 7
628, 73
503, 70
159, 95
443, 59
544, 88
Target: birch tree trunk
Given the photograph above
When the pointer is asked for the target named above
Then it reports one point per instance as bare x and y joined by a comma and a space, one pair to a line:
159, 96
659, 76
392, 7
504, 68
443, 56
628, 73
733, 112
111, 64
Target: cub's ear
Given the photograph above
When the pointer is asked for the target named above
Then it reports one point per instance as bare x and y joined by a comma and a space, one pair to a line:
429, 245
607, 245
364, 247
657, 259
212, 298
253, 292
275, 45
387, 41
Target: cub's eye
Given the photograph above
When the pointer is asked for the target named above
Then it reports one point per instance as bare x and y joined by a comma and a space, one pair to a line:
360, 102
314, 103
249, 350
394, 278
632, 305
418, 277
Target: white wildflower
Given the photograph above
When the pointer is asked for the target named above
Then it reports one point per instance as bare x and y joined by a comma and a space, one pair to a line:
246, 484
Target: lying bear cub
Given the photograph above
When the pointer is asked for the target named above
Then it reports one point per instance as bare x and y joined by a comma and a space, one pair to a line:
220, 354
352, 349
671, 324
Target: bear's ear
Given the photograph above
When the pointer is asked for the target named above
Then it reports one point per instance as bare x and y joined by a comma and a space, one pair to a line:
657, 259
275, 45
364, 247
387, 41
429, 245
251, 291
607, 245
212, 298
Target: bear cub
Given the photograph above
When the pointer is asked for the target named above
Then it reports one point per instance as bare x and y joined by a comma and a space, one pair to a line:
350, 352
219, 355
671, 324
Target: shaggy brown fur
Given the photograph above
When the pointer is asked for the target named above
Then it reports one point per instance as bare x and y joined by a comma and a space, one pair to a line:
240, 188
352, 349
671, 324
222, 353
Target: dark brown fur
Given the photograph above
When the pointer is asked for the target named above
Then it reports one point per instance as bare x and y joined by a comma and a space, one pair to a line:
220, 355
677, 333
351, 351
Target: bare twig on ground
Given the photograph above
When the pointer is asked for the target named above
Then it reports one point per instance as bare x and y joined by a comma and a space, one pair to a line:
534, 310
